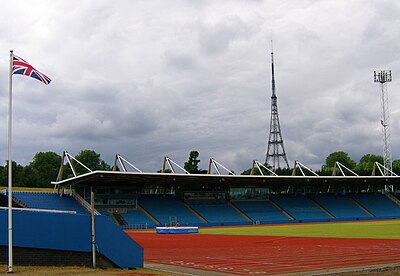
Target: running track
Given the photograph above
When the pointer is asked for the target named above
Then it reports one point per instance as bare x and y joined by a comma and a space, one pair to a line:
255, 255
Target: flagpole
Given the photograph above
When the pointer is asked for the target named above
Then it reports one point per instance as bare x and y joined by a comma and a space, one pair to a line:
10, 223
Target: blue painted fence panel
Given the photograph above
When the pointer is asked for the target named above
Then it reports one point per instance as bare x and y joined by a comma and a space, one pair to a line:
73, 233
47, 230
112, 242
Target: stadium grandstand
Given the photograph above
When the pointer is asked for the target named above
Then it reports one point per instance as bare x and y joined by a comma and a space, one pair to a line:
147, 200
139, 200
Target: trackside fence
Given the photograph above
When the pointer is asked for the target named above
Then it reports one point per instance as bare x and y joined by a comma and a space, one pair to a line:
136, 226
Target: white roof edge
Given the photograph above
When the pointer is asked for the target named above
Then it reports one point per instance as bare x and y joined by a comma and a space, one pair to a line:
219, 176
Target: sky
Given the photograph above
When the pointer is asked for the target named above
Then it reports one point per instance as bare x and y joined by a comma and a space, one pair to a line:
149, 79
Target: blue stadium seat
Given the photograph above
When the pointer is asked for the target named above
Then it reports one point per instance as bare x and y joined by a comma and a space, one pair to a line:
164, 207
50, 201
341, 206
138, 217
217, 211
262, 210
378, 204
300, 207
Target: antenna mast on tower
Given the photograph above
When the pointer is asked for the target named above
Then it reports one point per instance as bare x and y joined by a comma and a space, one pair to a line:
275, 150
383, 77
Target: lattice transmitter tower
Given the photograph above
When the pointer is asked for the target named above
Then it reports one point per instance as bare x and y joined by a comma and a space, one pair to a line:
383, 77
275, 149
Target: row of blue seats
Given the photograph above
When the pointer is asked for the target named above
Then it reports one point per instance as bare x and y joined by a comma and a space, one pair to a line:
49, 201
379, 205
217, 211
166, 208
341, 206
262, 211
280, 209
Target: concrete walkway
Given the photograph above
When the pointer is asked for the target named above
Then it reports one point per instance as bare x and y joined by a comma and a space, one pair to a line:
179, 270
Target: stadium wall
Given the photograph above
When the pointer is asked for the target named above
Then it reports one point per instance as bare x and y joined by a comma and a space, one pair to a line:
69, 233
47, 257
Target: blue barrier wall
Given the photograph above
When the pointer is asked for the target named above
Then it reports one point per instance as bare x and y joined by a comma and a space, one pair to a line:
113, 243
47, 230
72, 233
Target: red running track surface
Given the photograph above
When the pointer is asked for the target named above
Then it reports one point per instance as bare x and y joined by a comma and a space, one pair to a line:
249, 255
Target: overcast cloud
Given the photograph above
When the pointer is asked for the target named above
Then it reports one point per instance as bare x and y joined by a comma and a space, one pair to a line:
153, 78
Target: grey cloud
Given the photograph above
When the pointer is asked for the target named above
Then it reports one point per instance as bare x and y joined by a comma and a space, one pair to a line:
215, 38
128, 78
181, 61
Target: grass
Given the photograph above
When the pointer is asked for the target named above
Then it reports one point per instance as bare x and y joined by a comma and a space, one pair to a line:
75, 270
28, 189
387, 229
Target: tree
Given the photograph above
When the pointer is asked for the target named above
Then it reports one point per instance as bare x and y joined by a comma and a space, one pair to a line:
396, 166
92, 160
248, 172
289, 171
338, 156
18, 176
43, 169
366, 164
256, 171
3, 176
278, 171
192, 164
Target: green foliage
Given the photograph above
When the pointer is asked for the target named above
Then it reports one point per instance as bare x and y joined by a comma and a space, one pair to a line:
248, 172
342, 157
18, 178
396, 166
287, 171
45, 166
3, 176
256, 171
338, 156
366, 164
192, 164
43, 169
92, 160
278, 171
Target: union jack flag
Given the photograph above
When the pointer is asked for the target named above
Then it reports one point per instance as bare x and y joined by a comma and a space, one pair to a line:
22, 67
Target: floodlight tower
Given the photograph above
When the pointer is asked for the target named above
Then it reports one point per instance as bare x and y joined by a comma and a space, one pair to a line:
275, 149
383, 77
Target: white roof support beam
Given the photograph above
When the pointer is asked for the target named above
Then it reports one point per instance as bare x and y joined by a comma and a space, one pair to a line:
299, 165
70, 163
122, 162
258, 165
76, 160
170, 163
382, 169
216, 165
340, 166
66, 155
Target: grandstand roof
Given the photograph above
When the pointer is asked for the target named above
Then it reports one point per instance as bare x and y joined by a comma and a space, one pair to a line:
109, 178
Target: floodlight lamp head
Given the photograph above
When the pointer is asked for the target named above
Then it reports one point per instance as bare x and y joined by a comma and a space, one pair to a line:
383, 76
